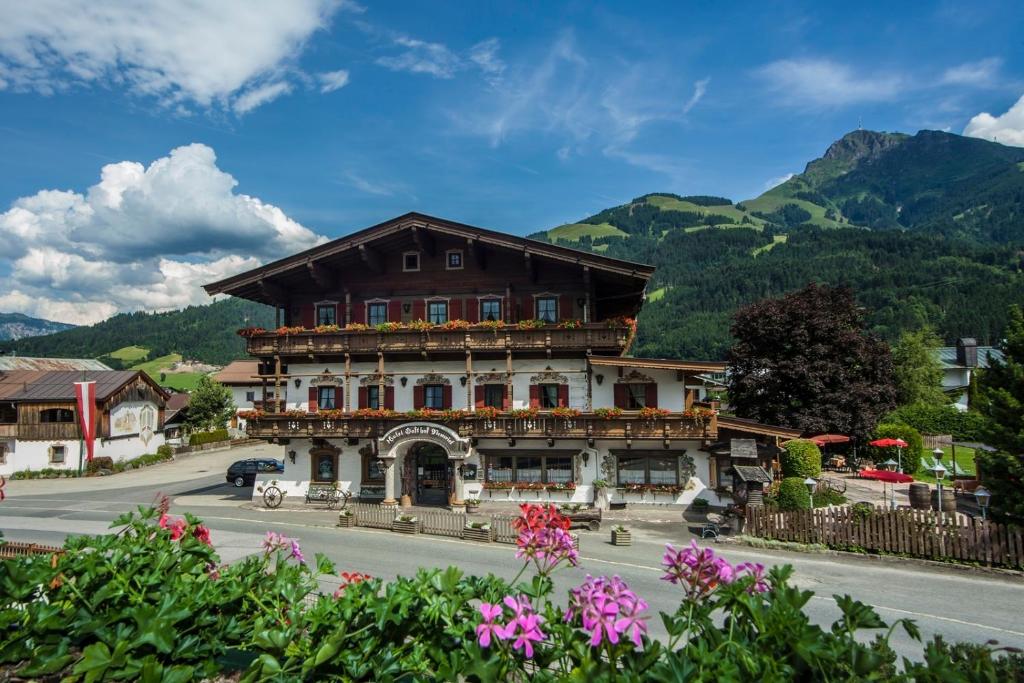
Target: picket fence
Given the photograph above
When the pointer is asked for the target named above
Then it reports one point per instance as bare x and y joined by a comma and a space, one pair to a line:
917, 533
434, 522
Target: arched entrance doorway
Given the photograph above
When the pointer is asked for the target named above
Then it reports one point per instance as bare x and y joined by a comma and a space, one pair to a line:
432, 477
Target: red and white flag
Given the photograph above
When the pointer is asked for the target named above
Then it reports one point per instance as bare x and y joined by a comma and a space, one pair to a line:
85, 394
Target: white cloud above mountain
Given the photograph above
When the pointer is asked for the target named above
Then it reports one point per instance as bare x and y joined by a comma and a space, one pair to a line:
1006, 128
231, 53
143, 237
825, 83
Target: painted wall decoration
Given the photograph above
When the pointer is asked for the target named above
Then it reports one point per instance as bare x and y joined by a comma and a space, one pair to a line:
134, 417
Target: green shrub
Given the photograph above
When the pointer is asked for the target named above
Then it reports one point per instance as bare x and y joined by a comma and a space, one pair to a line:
165, 451
940, 419
199, 438
102, 462
910, 456
793, 494
801, 458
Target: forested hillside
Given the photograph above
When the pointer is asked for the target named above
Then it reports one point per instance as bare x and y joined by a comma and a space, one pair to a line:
925, 229
205, 333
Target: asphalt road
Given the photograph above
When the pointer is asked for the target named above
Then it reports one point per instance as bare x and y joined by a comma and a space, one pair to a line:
961, 605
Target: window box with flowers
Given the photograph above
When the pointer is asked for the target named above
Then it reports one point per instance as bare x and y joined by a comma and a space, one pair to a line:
621, 535
530, 324
566, 487
525, 413
251, 331
406, 524
570, 324
477, 531
497, 486
493, 325
451, 414
698, 415
357, 327
421, 325
346, 519
251, 414
423, 414
486, 412
608, 413
331, 414
374, 413
456, 325
326, 329
284, 331
388, 327
565, 413
650, 413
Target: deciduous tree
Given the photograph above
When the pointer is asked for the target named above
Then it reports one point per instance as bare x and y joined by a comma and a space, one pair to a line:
210, 405
806, 361
918, 373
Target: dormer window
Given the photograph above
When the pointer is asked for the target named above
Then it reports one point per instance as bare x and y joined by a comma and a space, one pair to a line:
454, 259
411, 261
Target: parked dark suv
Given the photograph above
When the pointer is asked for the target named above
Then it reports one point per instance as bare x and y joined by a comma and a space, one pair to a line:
243, 472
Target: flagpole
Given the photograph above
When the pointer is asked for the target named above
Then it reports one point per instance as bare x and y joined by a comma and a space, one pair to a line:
81, 435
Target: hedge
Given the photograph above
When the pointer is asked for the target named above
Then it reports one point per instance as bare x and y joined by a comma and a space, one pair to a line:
910, 456
931, 419
793, 494
801, 458
199, 438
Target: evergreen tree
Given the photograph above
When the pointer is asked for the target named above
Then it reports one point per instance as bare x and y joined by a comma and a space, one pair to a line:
918, 373
210, 405
806, 361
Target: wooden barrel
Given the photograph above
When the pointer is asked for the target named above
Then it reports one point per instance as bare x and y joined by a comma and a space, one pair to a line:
920, 495
948, 499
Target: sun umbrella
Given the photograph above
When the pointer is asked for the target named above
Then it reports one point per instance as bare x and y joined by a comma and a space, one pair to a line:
825, 439
900, 444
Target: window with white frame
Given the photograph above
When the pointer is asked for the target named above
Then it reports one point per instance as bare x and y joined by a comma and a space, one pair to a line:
411, 261
490, 309
647, 469
250, 396
547, 309
527, 467
325, 398
453, 259
437, 312
376, 313
326, 314
57, 454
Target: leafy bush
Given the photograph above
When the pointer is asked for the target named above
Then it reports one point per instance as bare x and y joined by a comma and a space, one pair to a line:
793, 494
801, 458
199, 438
165, 451
910, 456
102, 462
153, 602
941, 419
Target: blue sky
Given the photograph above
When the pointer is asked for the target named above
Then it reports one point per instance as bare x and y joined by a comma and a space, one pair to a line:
294, 122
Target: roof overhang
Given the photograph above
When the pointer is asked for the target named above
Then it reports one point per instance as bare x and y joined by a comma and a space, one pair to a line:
740, 424
248, 283
657, 363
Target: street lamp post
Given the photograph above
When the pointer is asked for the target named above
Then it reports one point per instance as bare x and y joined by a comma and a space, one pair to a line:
982, 495
891, 465
940, 472
810, 484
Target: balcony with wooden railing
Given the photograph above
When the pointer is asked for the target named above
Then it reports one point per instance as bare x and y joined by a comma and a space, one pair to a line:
700, 423
605, 337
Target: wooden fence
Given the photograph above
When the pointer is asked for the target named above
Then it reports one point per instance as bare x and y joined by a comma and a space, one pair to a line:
442, 523
374, 516
918, 533
504, 532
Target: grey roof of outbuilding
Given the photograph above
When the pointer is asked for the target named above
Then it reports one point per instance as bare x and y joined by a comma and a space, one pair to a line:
750, 473
947, 356
59, 385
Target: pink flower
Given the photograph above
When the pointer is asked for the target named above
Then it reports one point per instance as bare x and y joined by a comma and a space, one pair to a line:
296, 551
607, 609
754, 570
696, 569
547, 547
274, 542
202, 534
526, 631
176, 526
489, 627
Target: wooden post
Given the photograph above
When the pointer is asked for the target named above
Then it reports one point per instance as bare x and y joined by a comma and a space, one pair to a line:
508, 377
380, 379
277, 381
347, 401
470, 403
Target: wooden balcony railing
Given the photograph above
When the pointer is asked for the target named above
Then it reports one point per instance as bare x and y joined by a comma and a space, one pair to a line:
626, 426
48, 431
596, 337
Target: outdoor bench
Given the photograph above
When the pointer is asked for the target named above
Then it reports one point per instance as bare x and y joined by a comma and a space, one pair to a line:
326, 493
371, 493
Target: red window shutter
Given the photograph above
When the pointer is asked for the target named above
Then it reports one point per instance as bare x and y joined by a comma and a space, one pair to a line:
565, 307
455, 309
312, 400
418, 399
506, 399
535, 396
446, 396
478, 396
364, 398
358, 312
306, 313
394, 311
473, 310
528, 312
620, 395
563, 395
651, 395
419, 310
389, 398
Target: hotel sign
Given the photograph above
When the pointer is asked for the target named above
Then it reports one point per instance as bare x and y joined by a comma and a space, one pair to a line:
423, 431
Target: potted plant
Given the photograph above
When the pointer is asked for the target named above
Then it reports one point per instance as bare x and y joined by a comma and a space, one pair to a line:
477, 531
472, 505
346, 519
406, 524
621, 535
700, 504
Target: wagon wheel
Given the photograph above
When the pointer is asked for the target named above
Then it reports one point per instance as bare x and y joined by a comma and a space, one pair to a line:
594, 525
272, 497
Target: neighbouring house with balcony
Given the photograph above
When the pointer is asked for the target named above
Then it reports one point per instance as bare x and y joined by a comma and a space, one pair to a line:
39, 426
959, 365
242, 378
433, 361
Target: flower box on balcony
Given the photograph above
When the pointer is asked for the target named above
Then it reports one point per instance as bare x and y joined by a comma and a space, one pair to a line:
405, 524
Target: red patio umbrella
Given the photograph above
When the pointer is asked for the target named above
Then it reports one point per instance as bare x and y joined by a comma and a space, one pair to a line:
886, 475
900, 444
824, 439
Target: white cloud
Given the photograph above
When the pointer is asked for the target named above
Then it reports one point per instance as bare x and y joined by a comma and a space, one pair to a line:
699, 88
824, 83
982, 73
141, 238
1007, 128
367, 186
775, 182
176, 51
251, 99
421, 57
485, 55
332, 80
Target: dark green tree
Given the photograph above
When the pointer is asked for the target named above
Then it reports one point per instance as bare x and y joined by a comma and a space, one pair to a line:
918, 373
210, 405
806, 361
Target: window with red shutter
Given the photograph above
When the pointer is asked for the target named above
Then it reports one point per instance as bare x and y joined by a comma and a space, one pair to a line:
447, 400
307, 315
620, 396
364, 399
419, 310
651, 396
455, 309
563, 395
473, 310
565, 307
312, 400
418, 397
389, 398
478, 396
535, 396
358, 312
394, 311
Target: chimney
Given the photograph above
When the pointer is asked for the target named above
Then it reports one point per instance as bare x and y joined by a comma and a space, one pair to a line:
967, 352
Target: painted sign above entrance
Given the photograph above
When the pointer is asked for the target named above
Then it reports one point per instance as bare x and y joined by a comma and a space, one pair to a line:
423, 431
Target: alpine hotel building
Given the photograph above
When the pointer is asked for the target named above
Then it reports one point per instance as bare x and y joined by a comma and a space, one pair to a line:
440, 361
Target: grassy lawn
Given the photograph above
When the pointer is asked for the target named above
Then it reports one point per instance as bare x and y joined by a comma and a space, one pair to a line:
182, 381
574, 231
130, 354
777, 239
672, 204
657, 294
964, 460
153, 367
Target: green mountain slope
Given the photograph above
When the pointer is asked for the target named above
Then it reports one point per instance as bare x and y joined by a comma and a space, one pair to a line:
926, 229
205, 333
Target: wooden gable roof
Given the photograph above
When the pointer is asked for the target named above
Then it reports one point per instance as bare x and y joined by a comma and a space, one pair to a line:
269, 283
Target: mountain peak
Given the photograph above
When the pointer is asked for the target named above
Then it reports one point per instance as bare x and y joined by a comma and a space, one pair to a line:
862, 144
